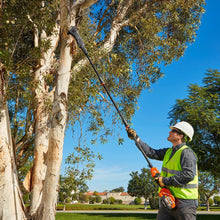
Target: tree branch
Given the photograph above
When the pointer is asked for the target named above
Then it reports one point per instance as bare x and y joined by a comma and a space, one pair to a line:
82, 4
99, 27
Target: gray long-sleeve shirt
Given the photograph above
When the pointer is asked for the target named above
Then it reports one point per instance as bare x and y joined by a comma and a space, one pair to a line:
188, 163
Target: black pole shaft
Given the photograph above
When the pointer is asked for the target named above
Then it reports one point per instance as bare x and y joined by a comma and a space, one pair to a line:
103, 84
142, 151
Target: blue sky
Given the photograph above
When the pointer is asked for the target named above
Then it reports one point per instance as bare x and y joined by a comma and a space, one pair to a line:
150, 121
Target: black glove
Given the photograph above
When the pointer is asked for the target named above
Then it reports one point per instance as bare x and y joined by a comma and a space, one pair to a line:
132, 134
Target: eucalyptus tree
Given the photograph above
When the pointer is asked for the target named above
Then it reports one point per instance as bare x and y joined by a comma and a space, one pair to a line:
46, 83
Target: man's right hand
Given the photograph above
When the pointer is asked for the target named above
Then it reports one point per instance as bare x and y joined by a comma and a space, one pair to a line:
132, 134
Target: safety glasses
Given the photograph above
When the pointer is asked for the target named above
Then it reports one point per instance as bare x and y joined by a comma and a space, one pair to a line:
178, 132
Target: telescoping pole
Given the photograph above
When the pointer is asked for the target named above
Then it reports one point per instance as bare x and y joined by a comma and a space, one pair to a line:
74, 32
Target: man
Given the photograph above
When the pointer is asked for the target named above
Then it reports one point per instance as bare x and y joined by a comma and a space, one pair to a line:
179, 171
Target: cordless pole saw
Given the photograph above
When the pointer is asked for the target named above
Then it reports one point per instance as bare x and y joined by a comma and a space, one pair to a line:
166, 196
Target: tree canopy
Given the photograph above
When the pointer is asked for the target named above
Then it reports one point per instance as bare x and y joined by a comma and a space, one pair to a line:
119, 189
201, 109
148, 33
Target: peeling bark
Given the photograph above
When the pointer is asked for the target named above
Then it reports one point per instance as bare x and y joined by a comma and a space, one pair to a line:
58, 122
12, 206
41, 129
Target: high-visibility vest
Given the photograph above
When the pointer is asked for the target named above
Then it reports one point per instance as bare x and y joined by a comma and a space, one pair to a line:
172, 167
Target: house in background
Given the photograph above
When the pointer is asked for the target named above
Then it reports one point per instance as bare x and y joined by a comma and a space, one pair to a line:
124, 196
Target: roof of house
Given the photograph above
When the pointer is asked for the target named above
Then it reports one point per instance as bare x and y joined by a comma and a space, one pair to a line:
124, 194
90, 193
102, 193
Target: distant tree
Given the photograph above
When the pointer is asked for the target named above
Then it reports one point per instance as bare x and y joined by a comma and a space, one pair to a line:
202, 109
92, 199
142, 185
65, 190
217, 200
137, 201
111, 200
80, 168
83, 197
208, 186
105, 201
74, 181
119, 189
95, 193
98, 198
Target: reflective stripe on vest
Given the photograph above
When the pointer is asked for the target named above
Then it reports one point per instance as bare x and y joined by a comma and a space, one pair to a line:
172, 167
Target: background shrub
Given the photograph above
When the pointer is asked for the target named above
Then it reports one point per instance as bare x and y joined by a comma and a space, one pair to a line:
154, 203
118, 201
92, 199
105, 201
137, 201
111, 200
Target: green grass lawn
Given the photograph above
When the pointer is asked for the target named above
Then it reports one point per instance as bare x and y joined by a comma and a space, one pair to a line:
117, 207
101, 207
212, 208
130, 216
108, 216
120, 216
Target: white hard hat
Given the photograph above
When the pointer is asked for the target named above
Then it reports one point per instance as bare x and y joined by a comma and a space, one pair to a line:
185, 127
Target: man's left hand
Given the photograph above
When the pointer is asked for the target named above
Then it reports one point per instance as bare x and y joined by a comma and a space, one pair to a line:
159, 181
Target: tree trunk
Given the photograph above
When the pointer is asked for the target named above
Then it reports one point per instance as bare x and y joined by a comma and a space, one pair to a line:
145, 204
207, 205
12, 207
39, 167
64, 205
58, 122
41, 123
